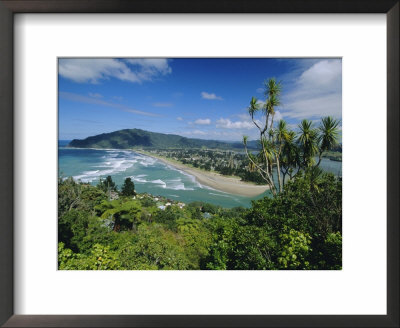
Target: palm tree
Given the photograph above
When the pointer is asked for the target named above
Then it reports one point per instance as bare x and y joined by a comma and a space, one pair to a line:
251, 166
290, 158
272, 87
328, 135
281, 134
253, 108
314, 174
272, 92
308, 142
269, 153
258, 161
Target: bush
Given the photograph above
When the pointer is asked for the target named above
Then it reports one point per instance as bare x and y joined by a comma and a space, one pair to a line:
298, 229
128, 189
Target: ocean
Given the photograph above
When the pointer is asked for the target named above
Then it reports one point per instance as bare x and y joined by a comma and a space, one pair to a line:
149, 175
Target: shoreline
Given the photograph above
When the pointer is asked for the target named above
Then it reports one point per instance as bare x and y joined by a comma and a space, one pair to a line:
214, 180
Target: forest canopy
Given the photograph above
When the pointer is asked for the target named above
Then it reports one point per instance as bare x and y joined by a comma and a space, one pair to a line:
297, 229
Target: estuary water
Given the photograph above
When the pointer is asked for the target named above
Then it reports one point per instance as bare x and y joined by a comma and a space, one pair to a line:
149, 175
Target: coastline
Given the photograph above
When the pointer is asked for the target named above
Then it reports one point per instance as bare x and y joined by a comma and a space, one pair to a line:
214, 180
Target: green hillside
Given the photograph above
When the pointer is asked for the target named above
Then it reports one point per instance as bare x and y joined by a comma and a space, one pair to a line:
136, 138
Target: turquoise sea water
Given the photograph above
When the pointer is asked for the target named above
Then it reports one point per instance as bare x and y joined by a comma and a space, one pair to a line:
149, 175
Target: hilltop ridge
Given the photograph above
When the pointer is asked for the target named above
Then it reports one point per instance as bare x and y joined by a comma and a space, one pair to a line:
137, 138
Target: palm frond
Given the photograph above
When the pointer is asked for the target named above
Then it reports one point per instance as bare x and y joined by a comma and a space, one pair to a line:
328, 133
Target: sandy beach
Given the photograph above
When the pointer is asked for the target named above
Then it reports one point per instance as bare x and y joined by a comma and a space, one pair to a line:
214, 180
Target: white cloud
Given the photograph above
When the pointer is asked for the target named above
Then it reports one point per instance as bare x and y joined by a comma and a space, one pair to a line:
228, 135
94, 70
315, 107
201, 121
87, 70
95, 95
325, 75
210, 96
317, 92
195, 133
95, 101
260, 90
260, 102
152, 66
226, 123
179, 118
278, 116
162, 104
261, 119
244, 117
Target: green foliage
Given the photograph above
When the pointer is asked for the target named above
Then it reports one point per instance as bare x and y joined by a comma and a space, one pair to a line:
297, 229
329, 133
221, 248
128, 189
239, 247
197, 240
168, 217
92, 197
72, 228
99, 231
100, 258
309, 206
125, 215
294, 249
107, 185
153, 247
330, 252
285, 153
308, 141
147, 202
69, 195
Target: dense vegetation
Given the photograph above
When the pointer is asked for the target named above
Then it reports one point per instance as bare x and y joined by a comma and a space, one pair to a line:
136, 138
299, 228
286, 153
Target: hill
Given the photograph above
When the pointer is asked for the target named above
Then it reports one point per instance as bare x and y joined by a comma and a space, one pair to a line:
136, 138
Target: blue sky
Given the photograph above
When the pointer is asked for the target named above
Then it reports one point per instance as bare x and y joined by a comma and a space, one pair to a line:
197, 98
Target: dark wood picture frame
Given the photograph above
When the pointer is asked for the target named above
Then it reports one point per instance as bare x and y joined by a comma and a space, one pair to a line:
7, 10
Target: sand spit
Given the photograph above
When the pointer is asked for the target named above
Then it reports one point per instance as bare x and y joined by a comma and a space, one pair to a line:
231, 185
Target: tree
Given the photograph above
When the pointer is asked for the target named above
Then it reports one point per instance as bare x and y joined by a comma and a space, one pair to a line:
128, 189
154, 247
69, 195
107, 185
269, 154
125, 215
100, 258
308, 142
304, 221
290, 158
328, 137
294, 249
283, 151
281, 136
72, 227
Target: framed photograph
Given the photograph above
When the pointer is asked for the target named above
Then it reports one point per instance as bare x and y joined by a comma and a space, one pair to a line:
208, 164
